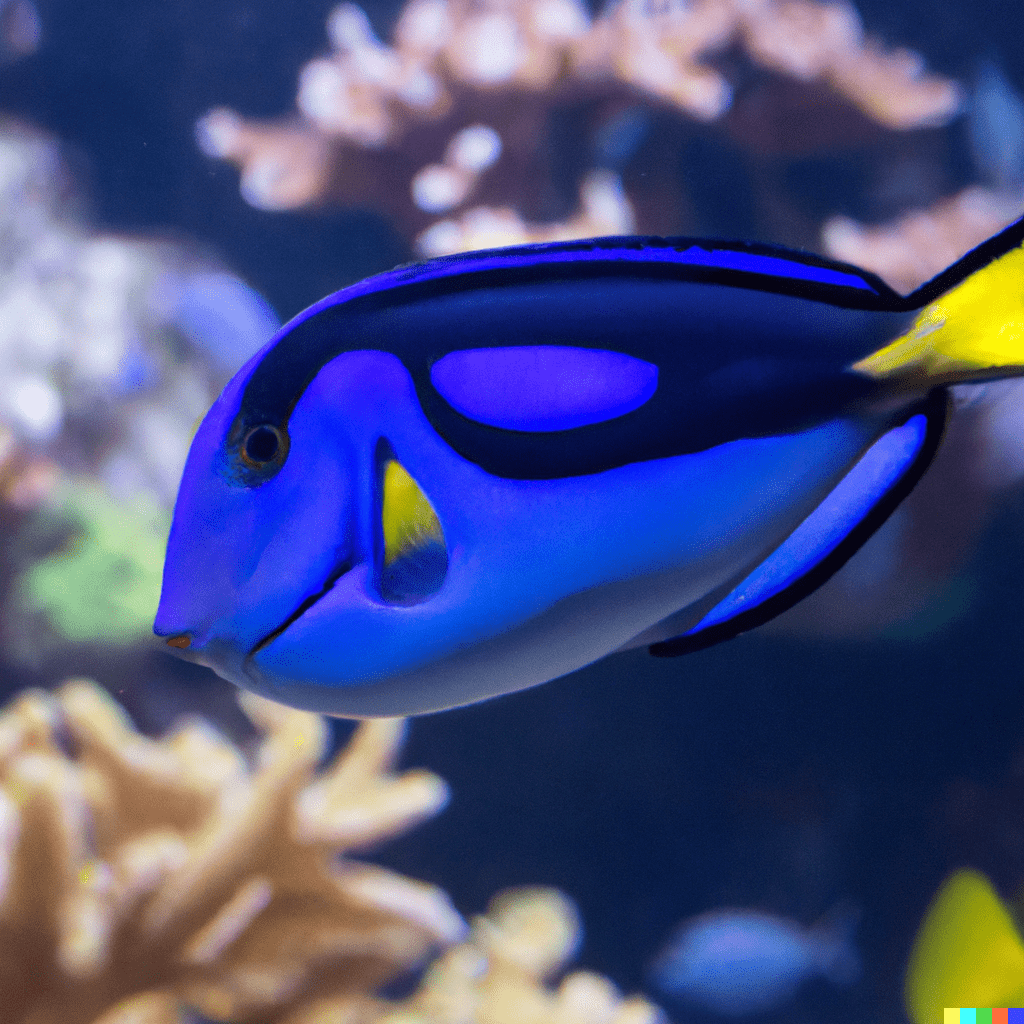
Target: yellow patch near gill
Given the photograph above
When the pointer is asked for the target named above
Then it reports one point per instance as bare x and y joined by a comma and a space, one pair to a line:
973, 331
408, 519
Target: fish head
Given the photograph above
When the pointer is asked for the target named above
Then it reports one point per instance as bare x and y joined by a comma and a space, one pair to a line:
269, 516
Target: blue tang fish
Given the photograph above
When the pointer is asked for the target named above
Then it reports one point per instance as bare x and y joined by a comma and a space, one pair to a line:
736, 962
472, 475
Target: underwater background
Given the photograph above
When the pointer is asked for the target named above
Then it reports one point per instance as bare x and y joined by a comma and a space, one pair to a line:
849, 756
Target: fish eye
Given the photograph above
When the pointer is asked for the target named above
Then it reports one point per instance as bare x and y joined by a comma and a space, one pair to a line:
261, 444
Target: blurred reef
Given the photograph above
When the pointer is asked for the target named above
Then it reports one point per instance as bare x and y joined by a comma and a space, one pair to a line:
146, 878
455, 118
177, 178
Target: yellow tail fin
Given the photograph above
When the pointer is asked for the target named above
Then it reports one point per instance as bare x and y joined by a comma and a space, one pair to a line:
971, 326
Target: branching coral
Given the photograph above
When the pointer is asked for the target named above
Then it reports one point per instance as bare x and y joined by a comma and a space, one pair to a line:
498, 975
919, 244
105, 340
451, 121
140, 877
170, 871
922, 243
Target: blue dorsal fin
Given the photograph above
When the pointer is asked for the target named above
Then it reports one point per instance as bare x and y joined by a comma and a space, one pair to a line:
883, 476
741, 258
684, 258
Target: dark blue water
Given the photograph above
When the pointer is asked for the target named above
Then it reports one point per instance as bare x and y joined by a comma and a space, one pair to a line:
788, 775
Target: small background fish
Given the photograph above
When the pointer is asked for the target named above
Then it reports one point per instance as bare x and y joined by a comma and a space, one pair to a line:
739, 962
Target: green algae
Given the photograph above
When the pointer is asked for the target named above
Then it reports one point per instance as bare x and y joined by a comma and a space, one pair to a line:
103, 583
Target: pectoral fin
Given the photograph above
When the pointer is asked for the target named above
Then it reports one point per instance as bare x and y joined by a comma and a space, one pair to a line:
415, 558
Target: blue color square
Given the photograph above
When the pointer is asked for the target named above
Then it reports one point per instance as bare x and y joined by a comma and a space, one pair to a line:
1015, 1015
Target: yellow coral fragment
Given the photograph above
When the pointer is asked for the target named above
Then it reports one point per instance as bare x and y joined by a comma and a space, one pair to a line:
968, 952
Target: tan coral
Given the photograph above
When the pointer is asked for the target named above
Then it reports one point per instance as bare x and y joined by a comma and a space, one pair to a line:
25, 481
375, 120
502, 974
137, 875
604, 210
921, 244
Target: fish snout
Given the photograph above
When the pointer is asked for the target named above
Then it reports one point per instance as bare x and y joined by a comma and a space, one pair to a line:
218, 653
179, 640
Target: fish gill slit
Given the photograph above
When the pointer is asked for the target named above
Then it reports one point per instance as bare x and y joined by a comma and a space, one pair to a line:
332, 579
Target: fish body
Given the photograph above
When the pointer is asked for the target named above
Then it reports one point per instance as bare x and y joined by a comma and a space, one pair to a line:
736, 962
473, 475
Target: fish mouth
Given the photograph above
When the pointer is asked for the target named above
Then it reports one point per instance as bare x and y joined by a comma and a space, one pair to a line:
343, 569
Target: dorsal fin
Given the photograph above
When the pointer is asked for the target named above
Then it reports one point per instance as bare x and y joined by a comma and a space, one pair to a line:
883, 476
284, 369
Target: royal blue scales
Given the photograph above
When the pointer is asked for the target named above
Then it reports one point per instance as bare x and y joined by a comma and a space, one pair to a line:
472, 475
